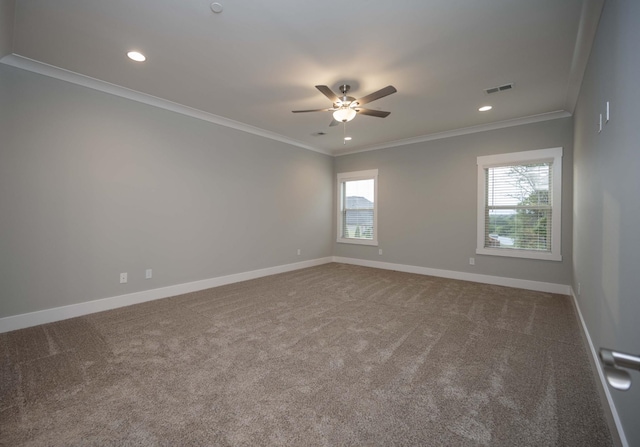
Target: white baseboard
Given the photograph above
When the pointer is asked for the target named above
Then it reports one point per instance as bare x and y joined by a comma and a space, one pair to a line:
75, 310
538, 286
22, 321
596, 360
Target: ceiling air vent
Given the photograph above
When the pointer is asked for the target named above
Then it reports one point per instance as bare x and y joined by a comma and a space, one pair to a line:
501, 88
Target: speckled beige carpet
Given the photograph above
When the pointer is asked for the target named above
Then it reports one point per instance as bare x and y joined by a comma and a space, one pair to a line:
331, 355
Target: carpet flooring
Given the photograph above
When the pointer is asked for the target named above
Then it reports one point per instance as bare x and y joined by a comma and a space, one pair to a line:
327, 356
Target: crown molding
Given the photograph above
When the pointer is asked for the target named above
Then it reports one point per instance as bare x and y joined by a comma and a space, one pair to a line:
587, 28
52, 71
462, 131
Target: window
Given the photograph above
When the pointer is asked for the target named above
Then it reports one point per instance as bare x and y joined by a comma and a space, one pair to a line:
519, 204
357, 208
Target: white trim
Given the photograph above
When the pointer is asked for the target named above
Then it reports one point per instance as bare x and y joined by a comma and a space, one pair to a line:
52, 71
587, 28
22, 321
535, 156
342, 177
538, 286
515, 253
352, 240
596, 360
558, 114
541, 155
75, 310
358, 175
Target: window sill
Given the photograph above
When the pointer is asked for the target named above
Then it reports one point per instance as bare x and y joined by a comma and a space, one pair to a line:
527, 254
357, 241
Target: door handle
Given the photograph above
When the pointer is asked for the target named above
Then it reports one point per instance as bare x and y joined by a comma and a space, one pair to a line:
613, 362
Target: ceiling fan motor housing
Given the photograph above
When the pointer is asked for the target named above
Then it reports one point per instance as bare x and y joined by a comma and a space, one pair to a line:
345, 101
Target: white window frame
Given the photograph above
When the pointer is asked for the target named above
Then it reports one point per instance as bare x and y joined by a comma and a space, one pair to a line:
354, 176
553, 155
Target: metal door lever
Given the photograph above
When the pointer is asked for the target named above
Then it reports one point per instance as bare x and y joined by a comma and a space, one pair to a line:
613, 361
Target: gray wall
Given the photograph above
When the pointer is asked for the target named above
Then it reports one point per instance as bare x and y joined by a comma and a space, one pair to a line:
7, 13
92, 185
427, 202
607, 195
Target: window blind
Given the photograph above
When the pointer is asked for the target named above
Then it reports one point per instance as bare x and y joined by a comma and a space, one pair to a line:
518, 211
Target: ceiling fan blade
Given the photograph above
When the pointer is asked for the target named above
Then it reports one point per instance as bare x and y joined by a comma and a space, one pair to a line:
326, 91
314, 110
333, 123
378, 113
377, 95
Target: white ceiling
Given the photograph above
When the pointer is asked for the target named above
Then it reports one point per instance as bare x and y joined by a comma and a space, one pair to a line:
257, 61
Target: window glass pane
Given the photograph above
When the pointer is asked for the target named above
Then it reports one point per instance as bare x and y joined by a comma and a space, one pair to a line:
358, 209
519, 229
518, 212
362, 189
513, 185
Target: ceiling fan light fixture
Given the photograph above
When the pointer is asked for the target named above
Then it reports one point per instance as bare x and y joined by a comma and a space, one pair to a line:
346, 108
344, 114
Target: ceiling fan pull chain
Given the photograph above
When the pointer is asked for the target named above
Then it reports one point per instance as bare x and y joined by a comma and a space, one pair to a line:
344, 133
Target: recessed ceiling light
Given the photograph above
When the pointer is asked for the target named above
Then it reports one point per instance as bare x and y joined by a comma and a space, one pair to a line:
216, 7
136, 56
347, 138
485, 108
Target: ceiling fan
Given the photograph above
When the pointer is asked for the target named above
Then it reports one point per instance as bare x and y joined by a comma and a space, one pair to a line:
345, 108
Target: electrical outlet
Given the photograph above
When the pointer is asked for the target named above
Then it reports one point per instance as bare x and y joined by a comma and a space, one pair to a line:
299, 252
123, 278
380, 251
148, 274
472, 261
